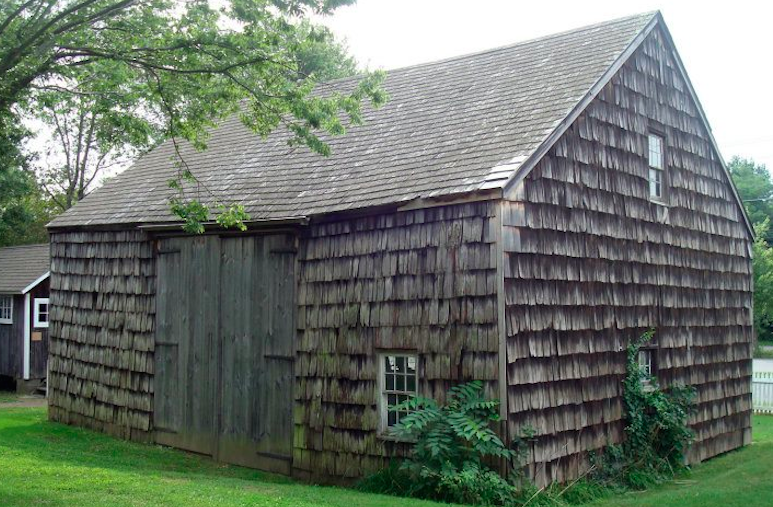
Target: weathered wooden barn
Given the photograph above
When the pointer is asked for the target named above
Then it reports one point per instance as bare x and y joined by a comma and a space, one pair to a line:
516, 215
24, 273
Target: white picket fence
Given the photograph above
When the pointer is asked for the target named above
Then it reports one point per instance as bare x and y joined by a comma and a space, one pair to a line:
762, 392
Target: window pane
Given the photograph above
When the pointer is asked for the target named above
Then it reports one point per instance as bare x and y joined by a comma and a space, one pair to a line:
399, 375
6, 307
656, 182
656, 151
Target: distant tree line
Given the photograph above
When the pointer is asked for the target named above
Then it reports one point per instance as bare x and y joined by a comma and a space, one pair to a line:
755, 186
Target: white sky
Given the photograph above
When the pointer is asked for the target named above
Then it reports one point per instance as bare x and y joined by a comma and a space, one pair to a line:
726, 46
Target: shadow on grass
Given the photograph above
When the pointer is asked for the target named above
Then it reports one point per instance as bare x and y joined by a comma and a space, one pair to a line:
74, 466
27, 432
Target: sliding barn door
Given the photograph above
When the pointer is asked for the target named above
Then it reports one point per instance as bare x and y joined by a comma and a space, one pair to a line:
257, 328
186, 358
229, 303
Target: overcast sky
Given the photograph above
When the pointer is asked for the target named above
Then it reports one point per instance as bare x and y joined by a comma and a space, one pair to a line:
726, 46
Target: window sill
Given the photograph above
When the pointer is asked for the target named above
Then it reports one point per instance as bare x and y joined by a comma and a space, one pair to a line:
647, 386
659, 203
6, 322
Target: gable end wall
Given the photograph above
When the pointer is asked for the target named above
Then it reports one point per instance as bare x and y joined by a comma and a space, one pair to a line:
591, 263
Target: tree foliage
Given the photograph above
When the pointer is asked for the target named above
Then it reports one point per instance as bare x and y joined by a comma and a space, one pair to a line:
755, 187
763, 281
145, 70
90, 136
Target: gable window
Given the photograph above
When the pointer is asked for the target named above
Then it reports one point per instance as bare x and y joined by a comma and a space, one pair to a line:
41, 312
398, 380
656, 166
6, 309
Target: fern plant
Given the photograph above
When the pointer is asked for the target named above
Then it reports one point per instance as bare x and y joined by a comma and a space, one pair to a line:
451, 442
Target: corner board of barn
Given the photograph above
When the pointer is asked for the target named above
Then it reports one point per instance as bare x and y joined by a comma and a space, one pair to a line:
280, 348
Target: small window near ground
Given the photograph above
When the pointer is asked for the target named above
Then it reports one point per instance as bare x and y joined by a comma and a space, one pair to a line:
646, 363
657, 167
41, 312
6, 309
398, 381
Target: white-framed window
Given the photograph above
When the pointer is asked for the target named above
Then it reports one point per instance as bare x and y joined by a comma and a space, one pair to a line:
656, 166
6, 309
41, 312
646, 363
398, 381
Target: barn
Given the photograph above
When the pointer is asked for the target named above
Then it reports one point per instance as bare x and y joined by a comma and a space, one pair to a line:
516, 216
24, 274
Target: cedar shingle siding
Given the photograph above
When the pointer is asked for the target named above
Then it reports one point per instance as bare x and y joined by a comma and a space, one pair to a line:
503, 232
421, 280
102, 331
592, 263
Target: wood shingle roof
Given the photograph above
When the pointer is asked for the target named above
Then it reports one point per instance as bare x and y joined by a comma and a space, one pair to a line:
451, 127
20, 266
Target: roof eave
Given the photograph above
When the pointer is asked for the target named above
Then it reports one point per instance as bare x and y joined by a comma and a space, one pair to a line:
531, 160
37, 282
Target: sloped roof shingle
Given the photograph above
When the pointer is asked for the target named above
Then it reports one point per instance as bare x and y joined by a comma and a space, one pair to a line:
22, 265
446, 129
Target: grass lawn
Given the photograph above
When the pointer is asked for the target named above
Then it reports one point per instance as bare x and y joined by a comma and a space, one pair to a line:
764, 350
741, 478
47, 464
8, 396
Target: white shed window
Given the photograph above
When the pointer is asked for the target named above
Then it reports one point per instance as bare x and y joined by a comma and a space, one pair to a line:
6, 309
398, 379
657, 167
41, 312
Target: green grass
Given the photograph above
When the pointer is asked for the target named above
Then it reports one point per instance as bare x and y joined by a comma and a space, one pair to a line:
742, 478
764, 349
8, 396
48, 464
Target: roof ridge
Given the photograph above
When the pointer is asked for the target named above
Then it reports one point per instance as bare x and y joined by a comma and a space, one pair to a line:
647, 14
359, 75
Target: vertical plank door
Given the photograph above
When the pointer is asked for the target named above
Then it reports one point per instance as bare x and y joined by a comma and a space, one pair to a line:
225, 345
186, 348
257, 298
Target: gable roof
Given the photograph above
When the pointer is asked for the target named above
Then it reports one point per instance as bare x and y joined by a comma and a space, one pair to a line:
23, 267
451, 127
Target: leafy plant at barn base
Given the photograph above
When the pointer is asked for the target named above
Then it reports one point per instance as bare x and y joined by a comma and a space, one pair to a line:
451, 443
